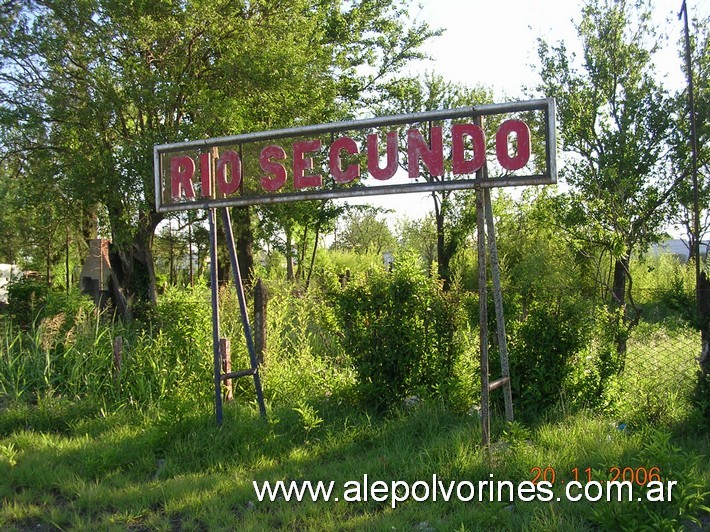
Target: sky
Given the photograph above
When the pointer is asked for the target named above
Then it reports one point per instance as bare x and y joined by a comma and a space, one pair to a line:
494, 44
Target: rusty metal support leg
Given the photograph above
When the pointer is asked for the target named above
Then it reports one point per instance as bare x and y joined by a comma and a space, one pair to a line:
483, 318
498, 302
243, 308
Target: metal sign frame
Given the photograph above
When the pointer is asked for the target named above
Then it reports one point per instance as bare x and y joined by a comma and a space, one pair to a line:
481, 183
549, 176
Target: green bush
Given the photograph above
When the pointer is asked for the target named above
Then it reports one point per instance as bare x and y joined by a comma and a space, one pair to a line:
542, 348
679, 300
593, 368
403, 333
304, 360
31, 301
26, 300
664, 288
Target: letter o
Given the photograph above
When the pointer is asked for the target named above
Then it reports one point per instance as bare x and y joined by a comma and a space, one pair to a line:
471, 491
587, 495
522, 133
420, 498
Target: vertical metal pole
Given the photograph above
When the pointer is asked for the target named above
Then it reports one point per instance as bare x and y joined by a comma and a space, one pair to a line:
694, 153
498, 302
483, 318
243, 308
214, 281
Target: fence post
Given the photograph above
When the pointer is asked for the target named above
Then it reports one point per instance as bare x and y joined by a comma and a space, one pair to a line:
261, 297
225, 351
117, 356
344, 278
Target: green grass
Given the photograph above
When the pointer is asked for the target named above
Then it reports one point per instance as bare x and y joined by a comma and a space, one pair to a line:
67, 466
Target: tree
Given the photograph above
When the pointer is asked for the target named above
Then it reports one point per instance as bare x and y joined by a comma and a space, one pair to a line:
411, 95
95, 85
681, 150
364, 233
10, 218
38, 222
294, 229
696, 185
614, 122
420, 237
170, 248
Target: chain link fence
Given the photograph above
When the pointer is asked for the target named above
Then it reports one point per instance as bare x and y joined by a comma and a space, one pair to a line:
568, 353
661, 371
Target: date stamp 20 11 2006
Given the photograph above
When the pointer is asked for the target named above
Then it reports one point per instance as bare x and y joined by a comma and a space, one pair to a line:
638, 475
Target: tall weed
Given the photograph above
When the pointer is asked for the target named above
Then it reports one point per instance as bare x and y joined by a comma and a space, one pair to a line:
171, 360
543, 344
43, 360
305, 360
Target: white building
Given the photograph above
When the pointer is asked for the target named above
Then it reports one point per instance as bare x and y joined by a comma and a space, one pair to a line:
8, 272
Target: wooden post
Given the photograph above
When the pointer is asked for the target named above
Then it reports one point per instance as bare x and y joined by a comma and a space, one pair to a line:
261, 297
117, 356
226, 352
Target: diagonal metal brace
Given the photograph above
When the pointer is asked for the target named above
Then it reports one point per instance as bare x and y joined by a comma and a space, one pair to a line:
239, 285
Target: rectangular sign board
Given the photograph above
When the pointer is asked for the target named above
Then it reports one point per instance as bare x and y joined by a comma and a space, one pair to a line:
421, 152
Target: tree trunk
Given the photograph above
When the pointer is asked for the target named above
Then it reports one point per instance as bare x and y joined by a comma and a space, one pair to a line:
89, 229
133, 270
289, 253
618, 301
703, 295
618, 288
241, 217
48, 262
691, 246
224, 262
302, 254
90, 223
67, 277
702, 391
444, 250
313, 255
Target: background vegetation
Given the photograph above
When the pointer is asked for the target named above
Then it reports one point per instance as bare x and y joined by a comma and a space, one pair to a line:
372, 366
82, 446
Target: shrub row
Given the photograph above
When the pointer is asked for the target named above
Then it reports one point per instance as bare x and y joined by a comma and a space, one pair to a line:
393, 333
